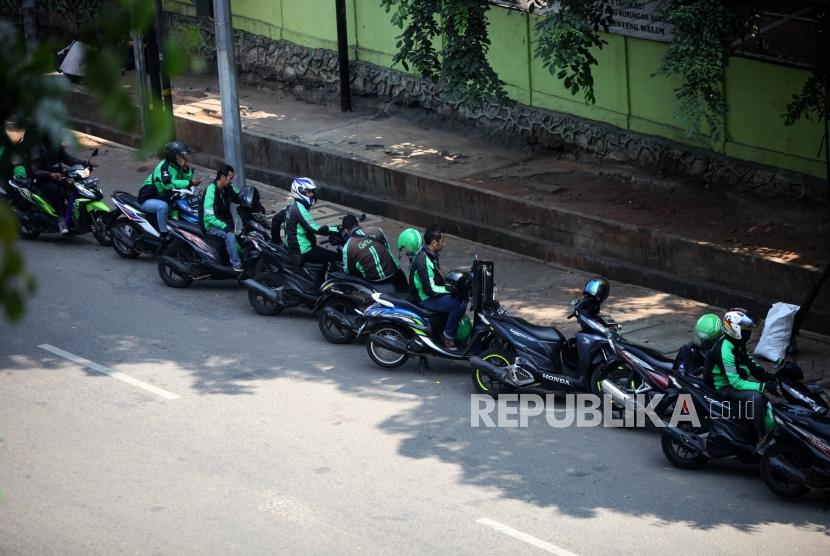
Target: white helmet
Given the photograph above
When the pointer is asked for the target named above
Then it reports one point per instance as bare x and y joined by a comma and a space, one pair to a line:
738, 323
300, 189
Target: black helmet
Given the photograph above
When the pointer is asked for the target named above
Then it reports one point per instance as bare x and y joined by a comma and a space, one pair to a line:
249, 195
457, 281
598, 288
174, 149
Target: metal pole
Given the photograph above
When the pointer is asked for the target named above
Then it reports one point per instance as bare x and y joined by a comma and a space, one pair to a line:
141, 77
225, 60
343, 56
153, 65
30, 24
166, 92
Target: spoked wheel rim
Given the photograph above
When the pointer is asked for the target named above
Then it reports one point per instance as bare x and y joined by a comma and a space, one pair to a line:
386, 356
270, 280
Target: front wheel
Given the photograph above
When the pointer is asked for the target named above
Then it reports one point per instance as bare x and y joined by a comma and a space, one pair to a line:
383, 357
261, 304
100, 231
678, 455
333, 331
169, 276
482, 382
777, 481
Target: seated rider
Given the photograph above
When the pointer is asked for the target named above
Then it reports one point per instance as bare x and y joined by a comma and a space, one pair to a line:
736, 375
300, 227
427, 285
692, 356
366, 253
172, 172
46, 163
217, 219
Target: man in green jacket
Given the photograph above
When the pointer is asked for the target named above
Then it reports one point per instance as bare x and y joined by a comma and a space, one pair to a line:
367, 254
173, 172
216, 212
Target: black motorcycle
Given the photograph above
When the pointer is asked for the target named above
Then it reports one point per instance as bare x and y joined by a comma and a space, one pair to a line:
539, 358
189, 253
399, 329
723, 430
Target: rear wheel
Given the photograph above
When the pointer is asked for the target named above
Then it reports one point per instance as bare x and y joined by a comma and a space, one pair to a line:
261, 304
383, 357
121, 229
482, 382
169, 276
332, 330
677, 454
777, 481
100, 231
25, 230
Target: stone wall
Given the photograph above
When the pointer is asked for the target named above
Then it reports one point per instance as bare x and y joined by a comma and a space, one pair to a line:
311, 72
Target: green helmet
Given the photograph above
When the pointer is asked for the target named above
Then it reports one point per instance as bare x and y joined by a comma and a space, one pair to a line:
464, 330
708, 328
410, 240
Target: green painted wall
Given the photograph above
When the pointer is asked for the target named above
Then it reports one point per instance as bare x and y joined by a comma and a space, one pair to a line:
628, 94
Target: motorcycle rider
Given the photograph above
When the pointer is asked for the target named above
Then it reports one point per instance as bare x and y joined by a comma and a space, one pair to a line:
427, 285
172, 172
735, 374
366, 253
692, 357
409, 241
46, 163
217, 219
300, 227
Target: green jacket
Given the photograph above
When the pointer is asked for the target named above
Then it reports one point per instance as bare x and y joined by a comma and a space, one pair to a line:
18, 170
216, 207
167, 177
731, 365
425, 275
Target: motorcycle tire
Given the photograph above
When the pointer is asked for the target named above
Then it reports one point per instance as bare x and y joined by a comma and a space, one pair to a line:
483, 383
25, 232
100, 231
120, 247
777, 484
169, 276
679, 456
330, 330
379, 355
261, 304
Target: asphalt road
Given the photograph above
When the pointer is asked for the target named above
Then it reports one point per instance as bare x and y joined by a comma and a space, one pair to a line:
249, 434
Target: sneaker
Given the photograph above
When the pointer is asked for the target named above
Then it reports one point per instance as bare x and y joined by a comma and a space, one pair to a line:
449, 344
62, 226
238, 268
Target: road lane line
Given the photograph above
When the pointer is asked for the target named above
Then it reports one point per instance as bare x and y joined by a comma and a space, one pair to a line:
529, 539
109, 372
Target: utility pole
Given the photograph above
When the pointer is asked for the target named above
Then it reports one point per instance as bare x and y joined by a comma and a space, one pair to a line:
226, 63
30, 24
166, 92
141, 77
343, 56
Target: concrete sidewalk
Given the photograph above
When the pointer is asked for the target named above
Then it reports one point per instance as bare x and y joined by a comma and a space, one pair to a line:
531, 288
606, 219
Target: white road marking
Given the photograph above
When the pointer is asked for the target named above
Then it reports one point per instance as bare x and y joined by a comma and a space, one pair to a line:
109, 372
529, 539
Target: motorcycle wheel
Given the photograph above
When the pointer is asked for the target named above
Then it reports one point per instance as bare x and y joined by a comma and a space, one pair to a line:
169, 276
619, 374
24, 231
100, 231
124, 250
678, 455
780, 485
483, 383
384, 357
330, 329
261, 304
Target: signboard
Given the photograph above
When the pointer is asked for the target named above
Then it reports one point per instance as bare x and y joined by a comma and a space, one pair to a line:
638, 19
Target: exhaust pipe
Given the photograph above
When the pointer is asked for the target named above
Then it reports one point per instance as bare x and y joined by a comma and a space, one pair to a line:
498, 374
268, 293
783, 468
176, 265
124, 238
627, 400
387, 343
338, 317
685, 439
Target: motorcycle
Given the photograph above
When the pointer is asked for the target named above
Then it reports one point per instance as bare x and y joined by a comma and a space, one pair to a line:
723, 432
135, 232
189, 253
399, 329
89, 213
539, 358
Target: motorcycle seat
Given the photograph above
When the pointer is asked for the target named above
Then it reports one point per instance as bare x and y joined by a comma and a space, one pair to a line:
652, 357
544, 333
383, 288
409, 306
128, 199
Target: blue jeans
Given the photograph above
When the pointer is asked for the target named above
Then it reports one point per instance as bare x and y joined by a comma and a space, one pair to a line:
230, 244
445, 303
160, 208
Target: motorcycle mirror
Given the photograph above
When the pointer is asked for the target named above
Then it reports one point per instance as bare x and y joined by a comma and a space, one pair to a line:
574, 302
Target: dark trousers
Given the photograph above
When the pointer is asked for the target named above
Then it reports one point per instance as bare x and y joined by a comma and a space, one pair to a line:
55, 193
397, 280
749, 398
445, 303
320, 255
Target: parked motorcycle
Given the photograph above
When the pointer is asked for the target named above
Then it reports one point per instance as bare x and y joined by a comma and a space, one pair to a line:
135, 232
88, 212
189, 253
724, 431
538, 358
399, 329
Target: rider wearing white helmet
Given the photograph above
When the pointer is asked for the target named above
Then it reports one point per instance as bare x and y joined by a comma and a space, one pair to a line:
300, 227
